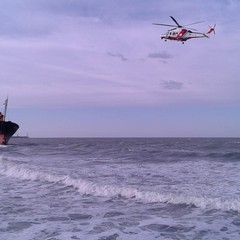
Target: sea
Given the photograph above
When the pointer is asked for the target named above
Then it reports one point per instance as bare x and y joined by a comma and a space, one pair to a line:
120, 189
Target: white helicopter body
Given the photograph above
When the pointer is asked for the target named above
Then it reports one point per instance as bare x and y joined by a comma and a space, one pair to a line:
182, 34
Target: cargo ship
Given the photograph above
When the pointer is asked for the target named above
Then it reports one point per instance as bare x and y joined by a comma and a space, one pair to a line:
7, 128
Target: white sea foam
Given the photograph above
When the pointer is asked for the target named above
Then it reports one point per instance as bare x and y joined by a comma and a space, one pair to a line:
4, 146
22, 172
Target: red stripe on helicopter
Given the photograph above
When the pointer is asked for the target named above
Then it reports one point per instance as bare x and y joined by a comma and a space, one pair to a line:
181, 34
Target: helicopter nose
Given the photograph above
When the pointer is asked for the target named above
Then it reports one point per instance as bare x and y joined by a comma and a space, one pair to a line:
163, 36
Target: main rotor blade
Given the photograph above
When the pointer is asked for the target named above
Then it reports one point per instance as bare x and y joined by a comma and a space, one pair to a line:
193, 23
194, 29
175, 21
167, 25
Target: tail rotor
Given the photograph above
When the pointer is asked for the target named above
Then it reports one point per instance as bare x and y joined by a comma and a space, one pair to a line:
212, 29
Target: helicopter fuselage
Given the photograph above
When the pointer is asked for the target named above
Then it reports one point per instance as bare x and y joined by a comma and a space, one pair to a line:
181, 34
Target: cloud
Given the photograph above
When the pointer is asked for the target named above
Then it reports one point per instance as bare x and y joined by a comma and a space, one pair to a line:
160, 55
172, 85
118, 55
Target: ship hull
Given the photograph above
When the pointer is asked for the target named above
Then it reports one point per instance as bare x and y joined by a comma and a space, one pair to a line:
7, 129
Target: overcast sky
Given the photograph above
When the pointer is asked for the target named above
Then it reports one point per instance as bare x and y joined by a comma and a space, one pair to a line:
98, 68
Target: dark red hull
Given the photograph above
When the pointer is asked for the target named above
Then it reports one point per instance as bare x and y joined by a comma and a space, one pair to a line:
7, 129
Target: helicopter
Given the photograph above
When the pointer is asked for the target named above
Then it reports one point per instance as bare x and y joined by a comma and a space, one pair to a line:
182, 34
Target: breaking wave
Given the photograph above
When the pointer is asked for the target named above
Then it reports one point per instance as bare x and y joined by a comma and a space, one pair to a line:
86, 187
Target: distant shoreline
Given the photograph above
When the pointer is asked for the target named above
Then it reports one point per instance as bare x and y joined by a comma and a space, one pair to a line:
20, 136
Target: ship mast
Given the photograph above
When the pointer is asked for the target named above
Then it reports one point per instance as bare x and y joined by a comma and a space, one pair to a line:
5, 109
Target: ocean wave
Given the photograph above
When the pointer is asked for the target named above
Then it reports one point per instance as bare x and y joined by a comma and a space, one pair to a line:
21, 171
4, 146
229, 156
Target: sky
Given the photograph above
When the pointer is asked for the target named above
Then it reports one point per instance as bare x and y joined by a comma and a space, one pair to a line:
90, 68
